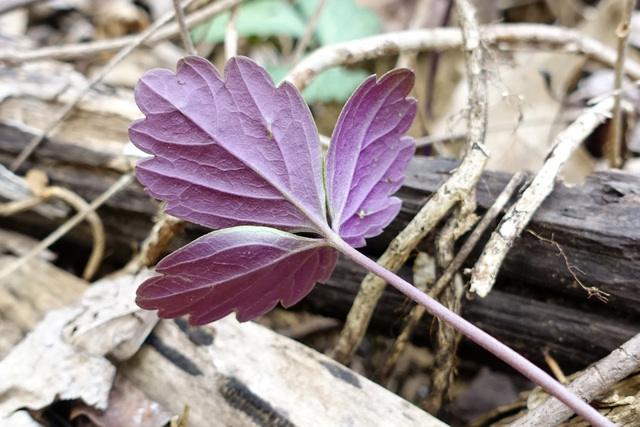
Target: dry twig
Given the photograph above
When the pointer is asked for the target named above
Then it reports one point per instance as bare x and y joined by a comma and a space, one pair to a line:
181, 421
231, 34
418, 20
161, 235
184, 29
42, 193
464, 216
418, 311
555, 368
592, 382
614, 145
15, 188
117, 186
302, 44
486, 268
97, 229
447, 338
503, 36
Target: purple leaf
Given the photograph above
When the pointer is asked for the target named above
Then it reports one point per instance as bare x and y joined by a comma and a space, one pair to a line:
367, 156
229, 152
245, 269
244, 154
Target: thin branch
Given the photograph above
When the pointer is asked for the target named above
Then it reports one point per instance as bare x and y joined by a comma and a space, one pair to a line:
486, 268
302, 44
137, 41
37, 181
591, 291
419, 17
474, 55
464, 213
615, 92
184, 29
156, 243
502, 36
418, 311
446, 345
434, 60
16, 206
119, 185
477, 233
97, 229
614, 145
591, 383
231, 34
74, 51
555, 368
447, 338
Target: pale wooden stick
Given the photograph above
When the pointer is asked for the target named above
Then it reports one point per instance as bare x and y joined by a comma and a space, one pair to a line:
93, 219
231, 34
161, 235
302, 44
505, 36
463, 218
614, 145
184, 29
447, 337
418, 20
592, 382
37, 181
486, 268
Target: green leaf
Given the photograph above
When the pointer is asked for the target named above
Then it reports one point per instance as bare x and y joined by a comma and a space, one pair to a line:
341, 20
335, 84
262, 18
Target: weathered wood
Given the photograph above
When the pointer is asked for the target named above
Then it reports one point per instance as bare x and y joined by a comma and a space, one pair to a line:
596, 224
228, 373
266, 379
28, 294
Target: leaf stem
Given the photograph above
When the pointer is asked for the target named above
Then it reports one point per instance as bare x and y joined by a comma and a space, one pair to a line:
511, 357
